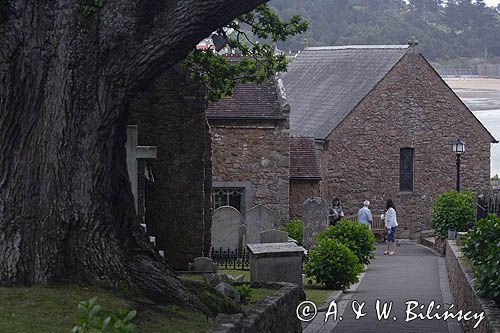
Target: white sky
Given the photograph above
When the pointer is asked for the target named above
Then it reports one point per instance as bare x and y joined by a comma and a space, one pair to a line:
493, 3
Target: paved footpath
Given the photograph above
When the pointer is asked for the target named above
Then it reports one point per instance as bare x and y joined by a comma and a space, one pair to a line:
415, 273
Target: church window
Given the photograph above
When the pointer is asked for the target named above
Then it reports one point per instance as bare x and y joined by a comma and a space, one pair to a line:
227, 197
406, 169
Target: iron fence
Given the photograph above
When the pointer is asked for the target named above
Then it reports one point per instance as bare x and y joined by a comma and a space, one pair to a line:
486, 205
230, 259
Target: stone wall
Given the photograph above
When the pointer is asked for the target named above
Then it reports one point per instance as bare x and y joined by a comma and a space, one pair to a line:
256, 154
275, 314
300, 191
461, 276
170, 114
410, 108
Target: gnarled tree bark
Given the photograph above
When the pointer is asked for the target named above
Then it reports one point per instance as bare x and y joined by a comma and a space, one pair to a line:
66, 74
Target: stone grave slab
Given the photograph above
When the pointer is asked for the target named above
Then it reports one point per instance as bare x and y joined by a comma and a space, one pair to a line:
273, 236
226, 223
276, 262
315, 216
258, 219
203, 264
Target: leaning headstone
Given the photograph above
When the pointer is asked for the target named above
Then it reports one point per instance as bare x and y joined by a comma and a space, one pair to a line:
276, 262
258, 219
203, 264
228, 278
229, 291
239, 278
315, 216
273, 236
226, 222
212, 279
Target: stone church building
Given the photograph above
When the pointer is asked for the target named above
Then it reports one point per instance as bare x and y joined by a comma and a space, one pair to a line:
250, 149
383, 122
174, 187
305, 174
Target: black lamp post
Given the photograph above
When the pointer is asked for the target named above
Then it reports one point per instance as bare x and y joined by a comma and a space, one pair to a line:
458, 149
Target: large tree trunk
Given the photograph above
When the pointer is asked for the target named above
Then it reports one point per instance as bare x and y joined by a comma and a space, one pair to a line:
66, 208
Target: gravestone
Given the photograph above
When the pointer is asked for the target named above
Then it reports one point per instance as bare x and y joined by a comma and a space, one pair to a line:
315, 216
203, 264
258, 219
276, 262
134, 153
226, 222
273, 236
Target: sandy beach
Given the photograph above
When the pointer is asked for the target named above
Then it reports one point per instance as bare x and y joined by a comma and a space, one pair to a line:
482, 96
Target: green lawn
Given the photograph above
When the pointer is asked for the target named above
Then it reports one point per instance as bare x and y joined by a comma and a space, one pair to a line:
314, 292
317, 293
54, 310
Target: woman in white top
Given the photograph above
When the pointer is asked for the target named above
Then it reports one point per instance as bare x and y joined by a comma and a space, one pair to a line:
391, 224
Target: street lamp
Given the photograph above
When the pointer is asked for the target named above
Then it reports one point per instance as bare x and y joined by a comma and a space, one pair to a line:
458, 149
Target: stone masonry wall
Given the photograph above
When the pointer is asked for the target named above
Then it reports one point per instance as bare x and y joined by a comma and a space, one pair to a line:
170, 114
461, 278
411, 107
275, 314
300, 191
257, 153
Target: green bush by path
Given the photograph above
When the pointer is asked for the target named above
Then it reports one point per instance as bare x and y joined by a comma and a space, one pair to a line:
453, 211
357, 237
333, 264
295, 229
482, 248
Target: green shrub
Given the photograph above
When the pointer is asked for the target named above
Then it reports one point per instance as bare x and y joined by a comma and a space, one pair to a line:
357, 237
453, 211
245, 292
295, 229
333, 264
91, 321
482, 248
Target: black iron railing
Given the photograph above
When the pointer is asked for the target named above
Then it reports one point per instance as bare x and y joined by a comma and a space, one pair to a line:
486, 205
230, 259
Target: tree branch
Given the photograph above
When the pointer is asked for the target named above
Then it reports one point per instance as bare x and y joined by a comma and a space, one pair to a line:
180, 26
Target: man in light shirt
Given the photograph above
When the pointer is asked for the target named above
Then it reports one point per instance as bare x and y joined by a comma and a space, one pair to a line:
365, 215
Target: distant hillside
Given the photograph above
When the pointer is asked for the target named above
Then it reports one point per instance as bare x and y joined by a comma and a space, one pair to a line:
461, 28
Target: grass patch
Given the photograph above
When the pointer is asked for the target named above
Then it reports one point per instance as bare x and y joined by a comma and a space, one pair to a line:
235, 273
317, 293
258, 295
54, 309
191, 277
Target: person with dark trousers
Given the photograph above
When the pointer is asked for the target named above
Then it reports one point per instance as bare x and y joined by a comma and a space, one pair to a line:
391, 223
335, 212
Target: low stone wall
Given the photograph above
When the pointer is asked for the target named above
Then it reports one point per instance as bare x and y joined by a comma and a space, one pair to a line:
275, 314
428, 239
461, 275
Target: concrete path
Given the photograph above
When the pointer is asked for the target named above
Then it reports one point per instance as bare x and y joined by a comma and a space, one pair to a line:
415, 273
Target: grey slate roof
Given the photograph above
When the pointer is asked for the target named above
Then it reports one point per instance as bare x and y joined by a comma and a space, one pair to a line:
324, 84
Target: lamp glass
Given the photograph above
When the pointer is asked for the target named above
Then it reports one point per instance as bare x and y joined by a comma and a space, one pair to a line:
458, 147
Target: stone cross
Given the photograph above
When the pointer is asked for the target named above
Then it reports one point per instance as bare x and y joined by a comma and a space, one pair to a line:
134, 153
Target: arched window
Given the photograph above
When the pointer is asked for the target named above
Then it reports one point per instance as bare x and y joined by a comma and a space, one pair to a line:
406, 169
227, 197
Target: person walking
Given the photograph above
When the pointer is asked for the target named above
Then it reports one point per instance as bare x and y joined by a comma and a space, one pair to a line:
335, 212
391, 223
365, 214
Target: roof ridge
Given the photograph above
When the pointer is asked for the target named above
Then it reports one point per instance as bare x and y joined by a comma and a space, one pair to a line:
357, 47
